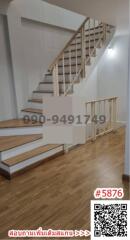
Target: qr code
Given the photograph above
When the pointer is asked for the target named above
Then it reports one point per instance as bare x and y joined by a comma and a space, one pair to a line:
109, 219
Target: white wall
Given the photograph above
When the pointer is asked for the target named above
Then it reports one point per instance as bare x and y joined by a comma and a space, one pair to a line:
87, 88
7, 94
113, 74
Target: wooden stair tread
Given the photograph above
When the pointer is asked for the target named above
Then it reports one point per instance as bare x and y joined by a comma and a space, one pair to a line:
66, 73
30, 154
35, 100
17, 123
33, 110
44, 91
60, 82
67, 65
9, 142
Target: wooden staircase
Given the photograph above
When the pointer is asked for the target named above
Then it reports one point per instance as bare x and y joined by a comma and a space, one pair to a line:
21, 144
70, 66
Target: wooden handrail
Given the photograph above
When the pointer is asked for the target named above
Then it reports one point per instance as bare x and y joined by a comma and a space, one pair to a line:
101, 100
67, 45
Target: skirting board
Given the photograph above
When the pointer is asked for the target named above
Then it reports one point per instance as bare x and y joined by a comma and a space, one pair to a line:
126, 178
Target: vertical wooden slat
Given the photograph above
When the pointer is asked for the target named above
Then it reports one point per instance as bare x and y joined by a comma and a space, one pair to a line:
98, 114
76, 55
55, 80
94, 32
104, 32
105, 114
114, 113
70, 65
63, 63
83, 51
93, 126
110, 113
89, 38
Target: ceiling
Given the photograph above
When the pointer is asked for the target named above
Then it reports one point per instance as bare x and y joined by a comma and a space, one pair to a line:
115, 12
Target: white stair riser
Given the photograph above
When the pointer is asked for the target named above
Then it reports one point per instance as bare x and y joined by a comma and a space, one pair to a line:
21, 149
4, 167
29, 114
36, 159
60, 77
73, 54
73, 47
41, 95
34, 105
20, 131
73, 61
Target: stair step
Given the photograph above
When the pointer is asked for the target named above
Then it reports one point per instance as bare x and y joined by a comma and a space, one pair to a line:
72, 57
33, 110
7, 143
92, 34
66, 73
35, 100
28, 155
18, 123
67, 65
47, 82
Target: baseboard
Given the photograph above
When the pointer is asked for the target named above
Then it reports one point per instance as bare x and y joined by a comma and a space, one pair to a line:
126, 178
5, 174
124, 123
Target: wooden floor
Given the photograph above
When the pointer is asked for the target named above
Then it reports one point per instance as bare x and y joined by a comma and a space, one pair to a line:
57, 194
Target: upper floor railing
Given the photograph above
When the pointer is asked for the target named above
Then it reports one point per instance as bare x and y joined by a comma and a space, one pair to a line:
102, 117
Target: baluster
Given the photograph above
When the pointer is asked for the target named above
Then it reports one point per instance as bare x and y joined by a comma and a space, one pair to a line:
100, 34
76, 55
63, 63
83, 50
94, 32
110, 113
114, 113
105, 114
55, 80
99, 112
93, 126
89, 38
70, 65
104, 32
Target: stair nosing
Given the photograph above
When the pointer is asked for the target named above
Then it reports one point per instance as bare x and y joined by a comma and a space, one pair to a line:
52, 82
35, 101
25, 110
